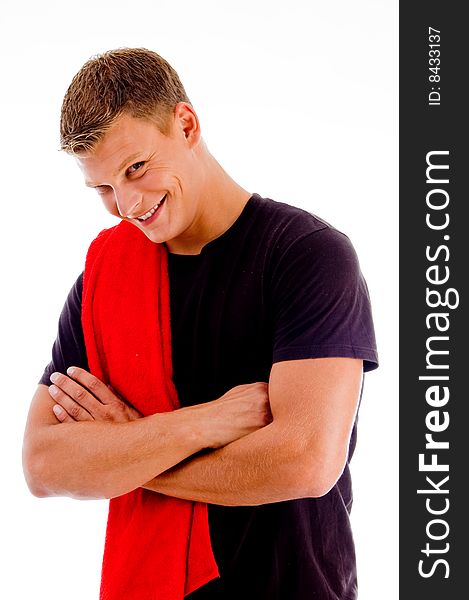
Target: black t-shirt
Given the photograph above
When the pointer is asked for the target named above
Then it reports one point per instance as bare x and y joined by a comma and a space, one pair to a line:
279, 284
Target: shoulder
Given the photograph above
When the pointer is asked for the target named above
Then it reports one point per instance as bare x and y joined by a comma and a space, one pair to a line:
315, 289
286, 220
294, 234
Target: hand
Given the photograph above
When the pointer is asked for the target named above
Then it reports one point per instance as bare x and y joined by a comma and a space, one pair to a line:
240, 411
83, 397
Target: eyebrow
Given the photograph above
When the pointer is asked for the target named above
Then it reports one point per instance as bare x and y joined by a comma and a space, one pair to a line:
121, 166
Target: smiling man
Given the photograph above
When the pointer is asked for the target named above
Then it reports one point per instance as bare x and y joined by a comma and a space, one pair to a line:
208, 365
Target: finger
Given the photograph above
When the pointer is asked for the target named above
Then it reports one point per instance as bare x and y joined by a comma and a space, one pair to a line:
74, 409
95, 386
61, 414
76, 392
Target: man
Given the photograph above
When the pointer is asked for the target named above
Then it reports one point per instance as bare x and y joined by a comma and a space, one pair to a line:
270, 332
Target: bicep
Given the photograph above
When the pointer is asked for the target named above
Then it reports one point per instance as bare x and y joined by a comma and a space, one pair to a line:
69, 346
321, 305
40, 410
40, 416
315, 402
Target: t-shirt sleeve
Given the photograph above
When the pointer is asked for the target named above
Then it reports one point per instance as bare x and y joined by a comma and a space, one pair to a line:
69, 345
321, 301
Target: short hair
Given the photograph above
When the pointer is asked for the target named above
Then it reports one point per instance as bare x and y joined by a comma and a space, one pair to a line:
134, 81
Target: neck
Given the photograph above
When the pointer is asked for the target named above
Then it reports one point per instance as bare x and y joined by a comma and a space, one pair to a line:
220, 203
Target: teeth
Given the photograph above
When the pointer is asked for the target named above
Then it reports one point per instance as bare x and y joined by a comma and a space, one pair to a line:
147, 215
151, 211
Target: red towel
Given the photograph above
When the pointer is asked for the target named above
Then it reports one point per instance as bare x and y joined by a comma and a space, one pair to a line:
157, 547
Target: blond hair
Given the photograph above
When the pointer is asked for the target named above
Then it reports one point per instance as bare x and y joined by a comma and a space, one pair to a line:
135, 81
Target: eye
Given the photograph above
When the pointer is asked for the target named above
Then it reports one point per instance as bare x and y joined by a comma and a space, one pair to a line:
135, 167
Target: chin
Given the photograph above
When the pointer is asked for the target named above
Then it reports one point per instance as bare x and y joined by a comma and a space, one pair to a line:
155, 237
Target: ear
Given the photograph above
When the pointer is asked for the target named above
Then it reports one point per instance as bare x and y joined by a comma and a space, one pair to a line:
186, 123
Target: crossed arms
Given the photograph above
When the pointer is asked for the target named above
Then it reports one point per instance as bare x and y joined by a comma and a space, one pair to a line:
263, 442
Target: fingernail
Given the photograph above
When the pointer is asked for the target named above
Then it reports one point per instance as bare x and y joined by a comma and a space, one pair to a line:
54, 377
71, 370
53, 390
57, 410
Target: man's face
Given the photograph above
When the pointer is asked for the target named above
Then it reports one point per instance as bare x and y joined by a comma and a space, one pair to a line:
148, 178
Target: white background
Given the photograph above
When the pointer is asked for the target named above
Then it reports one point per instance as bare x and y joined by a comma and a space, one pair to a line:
298, 101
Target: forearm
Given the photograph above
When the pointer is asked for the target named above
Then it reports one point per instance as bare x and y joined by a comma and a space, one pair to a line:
97, 459
266, 466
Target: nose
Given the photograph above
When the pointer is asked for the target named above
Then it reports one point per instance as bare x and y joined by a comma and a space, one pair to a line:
128, 202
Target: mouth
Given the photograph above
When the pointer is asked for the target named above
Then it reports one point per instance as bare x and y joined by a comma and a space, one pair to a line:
151, 215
